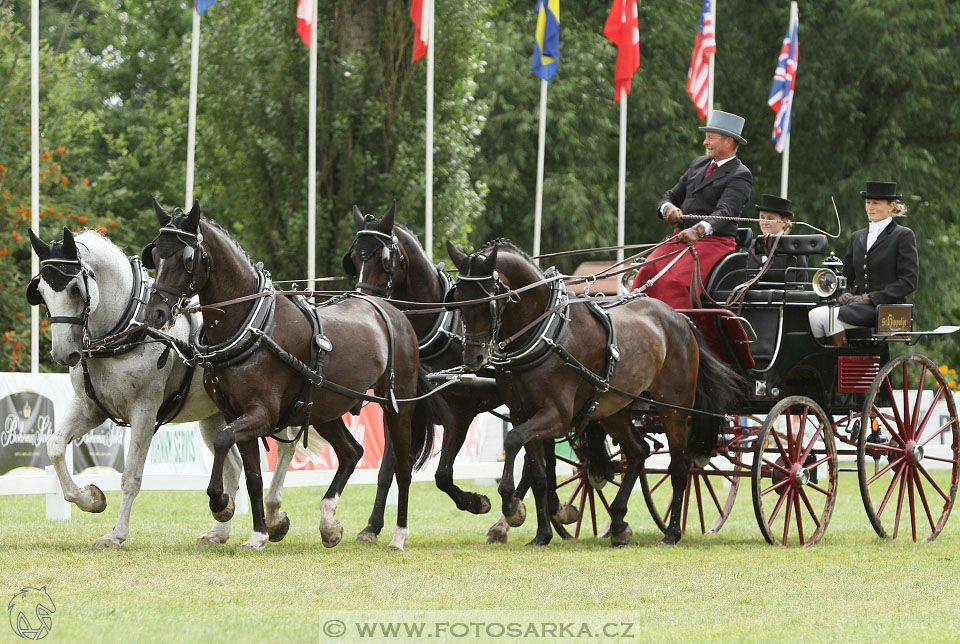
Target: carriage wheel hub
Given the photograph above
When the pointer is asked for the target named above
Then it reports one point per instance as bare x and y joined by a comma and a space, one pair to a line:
799, 475
914, 452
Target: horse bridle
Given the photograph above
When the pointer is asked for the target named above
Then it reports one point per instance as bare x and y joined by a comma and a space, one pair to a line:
77, 270
390, 258
492, 287
193, 251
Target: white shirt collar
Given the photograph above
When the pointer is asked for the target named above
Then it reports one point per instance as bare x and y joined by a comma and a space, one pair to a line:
720, 163
877, 227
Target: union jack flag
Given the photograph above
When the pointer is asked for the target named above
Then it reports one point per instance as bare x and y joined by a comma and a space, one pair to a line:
784, 80
698, 76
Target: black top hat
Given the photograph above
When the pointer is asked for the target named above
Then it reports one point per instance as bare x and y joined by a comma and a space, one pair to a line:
773, 203
881, 190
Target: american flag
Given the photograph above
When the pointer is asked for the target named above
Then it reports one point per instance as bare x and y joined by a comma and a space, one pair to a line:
784, 80
699, 72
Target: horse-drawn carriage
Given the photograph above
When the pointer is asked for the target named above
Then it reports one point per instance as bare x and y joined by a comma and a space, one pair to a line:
807, 406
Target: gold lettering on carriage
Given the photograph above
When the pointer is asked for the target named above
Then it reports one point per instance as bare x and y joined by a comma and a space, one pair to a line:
892, 318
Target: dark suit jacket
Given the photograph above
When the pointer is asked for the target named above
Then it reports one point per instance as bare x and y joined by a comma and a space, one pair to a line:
778, 268
888, 272
723, 194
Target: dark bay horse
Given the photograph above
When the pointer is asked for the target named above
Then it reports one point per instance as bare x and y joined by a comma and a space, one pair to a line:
553, 358
258, 356
388, 260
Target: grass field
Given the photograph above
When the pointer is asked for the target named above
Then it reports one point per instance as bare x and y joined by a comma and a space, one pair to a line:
729, 587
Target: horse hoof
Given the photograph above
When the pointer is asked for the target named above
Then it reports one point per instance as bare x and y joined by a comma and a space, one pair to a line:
566, 514
106, 543
226, 513
484, 505
99, 501
278, 530
539, 541
367, 537
621, 538
667, 541
394, 548
496, 536
211, 539
516, 519
332, 536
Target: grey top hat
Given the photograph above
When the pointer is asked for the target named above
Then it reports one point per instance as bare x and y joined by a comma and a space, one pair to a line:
725, 123
881, 190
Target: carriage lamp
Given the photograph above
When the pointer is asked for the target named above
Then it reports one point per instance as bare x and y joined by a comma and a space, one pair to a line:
825, 282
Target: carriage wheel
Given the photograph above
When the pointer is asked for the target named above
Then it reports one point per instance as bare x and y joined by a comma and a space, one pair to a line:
898, 489
792, 502
711, 490
587, 492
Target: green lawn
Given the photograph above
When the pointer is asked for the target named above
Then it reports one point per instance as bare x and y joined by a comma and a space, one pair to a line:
727, 587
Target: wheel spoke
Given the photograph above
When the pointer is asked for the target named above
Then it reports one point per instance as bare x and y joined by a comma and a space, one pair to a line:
573, 477
786, 519
776, 439
913, 509
927, 476
603, 500
713, 495
814, 486
789, 421
893, 484
593, 511
940, 459
809, 448
923, 499
775, 465
686, 505
898, 433
887, 468
817, 462
776, 508
717, 469
799, 518
903, 487
916, 404
937, 433
696, 485
906, 400
659, 483
564, 459
576, 491
806, 502
775, 486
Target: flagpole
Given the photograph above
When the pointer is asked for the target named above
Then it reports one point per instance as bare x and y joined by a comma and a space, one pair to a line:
622, 183
428, 205
541, 146
785, 167
710, 61
35, 171
312, 157
192, 114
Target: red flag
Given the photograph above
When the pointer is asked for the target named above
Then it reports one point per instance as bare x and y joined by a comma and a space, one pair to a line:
305, 19
420, 12
622, 28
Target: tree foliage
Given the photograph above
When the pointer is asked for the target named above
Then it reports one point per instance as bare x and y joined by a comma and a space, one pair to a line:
876, 99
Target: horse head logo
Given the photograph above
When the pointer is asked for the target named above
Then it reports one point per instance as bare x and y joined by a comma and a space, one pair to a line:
30, 613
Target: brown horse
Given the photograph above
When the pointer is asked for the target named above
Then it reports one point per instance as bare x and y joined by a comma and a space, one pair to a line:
389, 261
555, 359
272, 361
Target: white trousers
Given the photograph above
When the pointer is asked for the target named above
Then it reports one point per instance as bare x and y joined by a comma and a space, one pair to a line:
823, 324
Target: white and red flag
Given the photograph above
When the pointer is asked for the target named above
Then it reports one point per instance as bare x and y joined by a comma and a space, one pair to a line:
305, 19
622, 28
420, 13
699, 74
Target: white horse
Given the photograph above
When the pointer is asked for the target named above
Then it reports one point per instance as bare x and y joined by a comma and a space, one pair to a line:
93, 292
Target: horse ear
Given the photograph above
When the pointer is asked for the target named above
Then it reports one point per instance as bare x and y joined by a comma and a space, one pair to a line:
489, 265
386, 224
193, 217
69, 245
40, 247
459, 258
162, 215
357, 218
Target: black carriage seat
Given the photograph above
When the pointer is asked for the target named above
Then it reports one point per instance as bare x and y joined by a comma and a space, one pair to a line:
725, 334
733, 264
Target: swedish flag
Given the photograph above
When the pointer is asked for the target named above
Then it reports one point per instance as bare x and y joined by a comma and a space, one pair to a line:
546, 44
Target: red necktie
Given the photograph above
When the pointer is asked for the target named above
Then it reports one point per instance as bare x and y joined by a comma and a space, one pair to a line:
713, 166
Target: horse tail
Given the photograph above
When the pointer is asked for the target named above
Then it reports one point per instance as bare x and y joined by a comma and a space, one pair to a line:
427, 412
719, 387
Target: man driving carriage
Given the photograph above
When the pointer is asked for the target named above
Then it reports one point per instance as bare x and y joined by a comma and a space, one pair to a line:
715, 185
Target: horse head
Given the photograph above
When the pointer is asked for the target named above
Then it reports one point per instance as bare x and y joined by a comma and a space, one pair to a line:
67, 285
181, 261
375, 258
478, 280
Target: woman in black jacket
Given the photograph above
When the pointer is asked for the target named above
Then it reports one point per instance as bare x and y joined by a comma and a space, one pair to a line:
881, 267
775, 215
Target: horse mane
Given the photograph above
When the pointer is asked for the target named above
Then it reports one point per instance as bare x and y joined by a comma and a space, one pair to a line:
507, 245
230, 238
97, 244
